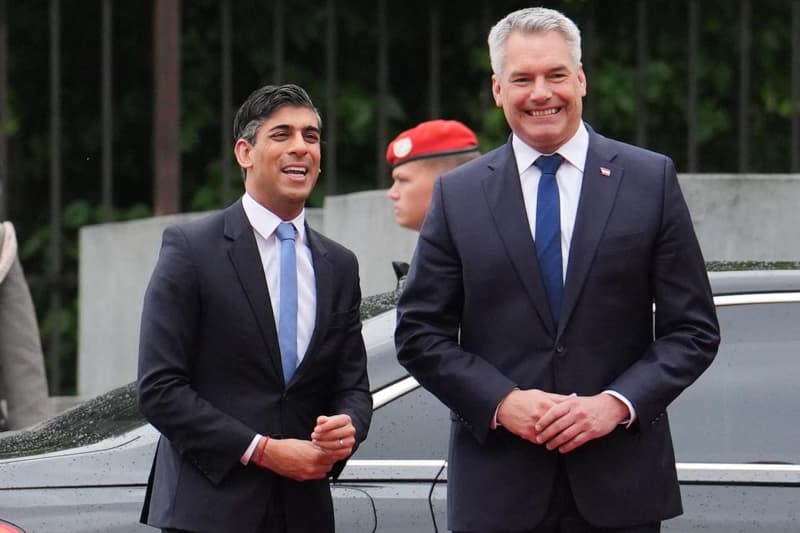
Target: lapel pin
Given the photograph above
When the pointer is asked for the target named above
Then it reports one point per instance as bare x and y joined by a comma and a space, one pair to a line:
605, 171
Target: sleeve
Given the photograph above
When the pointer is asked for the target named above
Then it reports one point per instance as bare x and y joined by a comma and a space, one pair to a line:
210, 439
686, 328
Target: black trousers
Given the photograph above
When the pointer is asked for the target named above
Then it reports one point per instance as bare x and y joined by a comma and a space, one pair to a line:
562, 514
274, 521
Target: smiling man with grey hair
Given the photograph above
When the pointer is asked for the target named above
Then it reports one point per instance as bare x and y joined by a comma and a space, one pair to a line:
528, 309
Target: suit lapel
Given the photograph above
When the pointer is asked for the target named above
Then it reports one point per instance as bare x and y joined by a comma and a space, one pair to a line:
246, 260
504, 196
323, 276
601, 180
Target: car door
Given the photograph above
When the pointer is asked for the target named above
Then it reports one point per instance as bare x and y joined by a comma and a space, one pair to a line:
399, 464
737, 429
96, 488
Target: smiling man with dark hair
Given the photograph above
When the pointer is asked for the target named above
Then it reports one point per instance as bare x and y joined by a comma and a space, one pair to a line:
251, 361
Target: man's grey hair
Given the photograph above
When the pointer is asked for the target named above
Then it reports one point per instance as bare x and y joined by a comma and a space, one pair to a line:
532, 20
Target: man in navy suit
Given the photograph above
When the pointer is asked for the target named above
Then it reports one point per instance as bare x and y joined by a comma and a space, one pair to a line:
528, 308
249, 434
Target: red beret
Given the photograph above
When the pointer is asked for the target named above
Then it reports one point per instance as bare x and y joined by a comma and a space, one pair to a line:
431, 139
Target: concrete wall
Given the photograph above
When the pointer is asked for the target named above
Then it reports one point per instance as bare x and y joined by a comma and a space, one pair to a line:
115, 264
364, 223
745, 217
736, 217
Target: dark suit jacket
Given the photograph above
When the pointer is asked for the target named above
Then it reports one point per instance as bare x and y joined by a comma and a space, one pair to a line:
210, 376
475, 268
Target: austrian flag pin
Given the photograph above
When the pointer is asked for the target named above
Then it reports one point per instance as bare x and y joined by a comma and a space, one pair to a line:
605, 171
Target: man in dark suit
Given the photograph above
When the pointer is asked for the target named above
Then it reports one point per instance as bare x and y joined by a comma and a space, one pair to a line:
529, 308
257, 384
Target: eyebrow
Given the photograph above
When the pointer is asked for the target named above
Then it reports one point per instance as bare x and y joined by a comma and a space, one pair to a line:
523, 72
279, 127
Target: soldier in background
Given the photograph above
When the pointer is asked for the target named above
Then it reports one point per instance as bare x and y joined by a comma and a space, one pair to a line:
418, 156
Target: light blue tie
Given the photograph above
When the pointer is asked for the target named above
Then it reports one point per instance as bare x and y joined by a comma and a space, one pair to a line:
548, 231
287, 319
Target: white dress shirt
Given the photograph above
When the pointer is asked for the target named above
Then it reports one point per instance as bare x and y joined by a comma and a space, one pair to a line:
264, 223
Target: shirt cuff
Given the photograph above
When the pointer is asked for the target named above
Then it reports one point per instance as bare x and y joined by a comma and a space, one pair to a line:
495, 424
248, 453
631, 411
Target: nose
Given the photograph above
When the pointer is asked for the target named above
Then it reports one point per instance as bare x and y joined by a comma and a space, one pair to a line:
541, 89
392, 192
297, 144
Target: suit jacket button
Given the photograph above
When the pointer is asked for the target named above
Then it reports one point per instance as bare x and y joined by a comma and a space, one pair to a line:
560, 349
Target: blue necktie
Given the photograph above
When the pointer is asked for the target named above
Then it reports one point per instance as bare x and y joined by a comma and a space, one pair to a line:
548, 230
287, 319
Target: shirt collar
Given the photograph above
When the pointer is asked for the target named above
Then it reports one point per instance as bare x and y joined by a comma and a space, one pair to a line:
573, 151
265, 222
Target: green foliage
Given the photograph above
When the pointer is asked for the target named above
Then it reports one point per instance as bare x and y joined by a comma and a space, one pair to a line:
34, 253
206, 197
356, 114
613, 93
495, 130
465, 90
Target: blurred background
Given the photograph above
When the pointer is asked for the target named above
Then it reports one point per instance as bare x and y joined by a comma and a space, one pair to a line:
113, 110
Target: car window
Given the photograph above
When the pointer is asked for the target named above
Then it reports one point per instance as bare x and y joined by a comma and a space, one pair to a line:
413, 426
746, 407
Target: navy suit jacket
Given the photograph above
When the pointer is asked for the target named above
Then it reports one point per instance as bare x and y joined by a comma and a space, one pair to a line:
210, 376
474, 322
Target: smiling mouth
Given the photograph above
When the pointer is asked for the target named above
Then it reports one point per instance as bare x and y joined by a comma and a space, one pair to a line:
544, 112
295, 170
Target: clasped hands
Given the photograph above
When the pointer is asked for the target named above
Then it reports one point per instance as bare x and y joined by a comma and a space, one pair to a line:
560, 422
331, 441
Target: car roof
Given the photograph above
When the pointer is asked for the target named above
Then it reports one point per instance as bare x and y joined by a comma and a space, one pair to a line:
754, 281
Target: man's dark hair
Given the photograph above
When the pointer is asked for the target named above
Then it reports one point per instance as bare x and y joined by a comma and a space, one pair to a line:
262, 103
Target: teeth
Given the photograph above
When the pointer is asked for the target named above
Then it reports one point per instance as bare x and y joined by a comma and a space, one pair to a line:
296, 170
544, 112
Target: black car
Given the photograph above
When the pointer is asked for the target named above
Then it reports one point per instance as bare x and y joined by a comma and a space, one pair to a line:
736, 433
